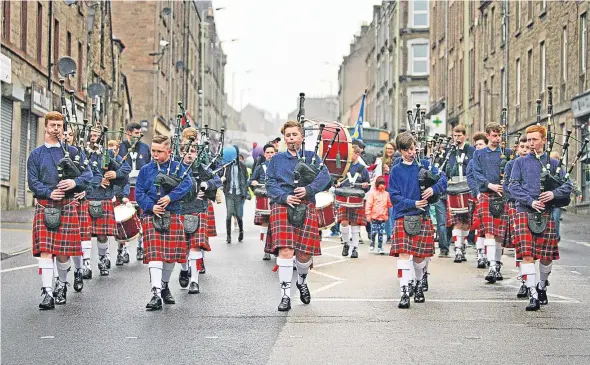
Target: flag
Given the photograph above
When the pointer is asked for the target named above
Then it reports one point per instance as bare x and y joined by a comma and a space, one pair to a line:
358, 128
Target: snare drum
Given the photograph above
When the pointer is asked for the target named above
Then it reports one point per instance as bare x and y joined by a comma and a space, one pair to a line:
349, 197
128, 224
324, 208
262, 201
458, 197
132, 194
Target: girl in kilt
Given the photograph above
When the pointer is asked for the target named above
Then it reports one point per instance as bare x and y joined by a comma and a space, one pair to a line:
531, 196
52, 191
258, 178
407, 200
284, 238
166, 246
355, 217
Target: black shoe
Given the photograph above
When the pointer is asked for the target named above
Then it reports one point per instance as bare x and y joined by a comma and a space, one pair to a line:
354, 254
533, 305
304, 294
203, 270
156, 302
458, 257
411, 287
183, 278
404, 301
241, 236
78, 282
266, 256
228, 239
167, 296
285, 304
56, 286
125, 257
542, 295
102, 266
419, 293
107, 261
491, 276
463, 253
499, 276
193, 288
61, 293
425, 282
481, 263
345, 249
140, 254
47, 301
86, 273
444, 252
119, 261
522, 291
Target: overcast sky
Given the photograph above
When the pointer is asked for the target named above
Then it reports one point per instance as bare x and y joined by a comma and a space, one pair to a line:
286, 44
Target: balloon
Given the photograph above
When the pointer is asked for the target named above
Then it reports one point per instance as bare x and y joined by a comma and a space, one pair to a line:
257, 152
229, 154
249, 161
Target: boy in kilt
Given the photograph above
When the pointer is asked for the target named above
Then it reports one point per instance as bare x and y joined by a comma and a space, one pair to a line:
532, 198
409, 201
162, 225
195, 204
258, 179
357, 176
456, 171
285, 238
121, 192
479, 141
138, 158
488, 175
522, 150
103, 225
52, 192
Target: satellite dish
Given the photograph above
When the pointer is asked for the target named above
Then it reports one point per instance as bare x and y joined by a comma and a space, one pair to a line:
96, 90
166, 11
66, 66
179, 64
70, 2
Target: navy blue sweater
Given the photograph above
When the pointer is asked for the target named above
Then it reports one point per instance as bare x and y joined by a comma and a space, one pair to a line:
486, 167
97, 192
144, 154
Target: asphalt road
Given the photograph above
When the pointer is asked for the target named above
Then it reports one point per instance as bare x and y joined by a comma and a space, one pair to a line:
353, 317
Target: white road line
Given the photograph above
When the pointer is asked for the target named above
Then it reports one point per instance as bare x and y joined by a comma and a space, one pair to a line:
583, 243
436, 300
47, 337
19, 268
211, 337
326, 287
330, 247
330, 263
131, 337
576, 272
332, 255
548, 294
326, 275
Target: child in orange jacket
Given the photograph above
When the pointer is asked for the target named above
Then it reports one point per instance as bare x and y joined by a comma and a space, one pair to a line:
376, 210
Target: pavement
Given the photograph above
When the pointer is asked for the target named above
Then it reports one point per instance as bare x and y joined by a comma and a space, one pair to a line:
353, 317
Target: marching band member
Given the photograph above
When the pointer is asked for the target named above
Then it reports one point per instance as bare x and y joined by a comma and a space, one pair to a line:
287, 235
140, 156
121, 192
487, 174
533, 202
257, 178
162, 226
56, 230
457, 167
357, 175
408, 204
479, 141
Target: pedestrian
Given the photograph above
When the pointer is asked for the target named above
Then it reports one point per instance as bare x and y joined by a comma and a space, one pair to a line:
235, 189
377, 208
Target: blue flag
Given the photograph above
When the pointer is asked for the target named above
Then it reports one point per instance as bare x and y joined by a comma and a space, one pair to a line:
358, 127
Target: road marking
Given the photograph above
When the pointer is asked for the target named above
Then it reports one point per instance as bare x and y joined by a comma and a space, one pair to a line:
332, 255
436, 300
576, 272
326, 275
131, 337
330, 263
47, 337
211, 337
19, 268
578, 242
331, 247
326, 287
10, 254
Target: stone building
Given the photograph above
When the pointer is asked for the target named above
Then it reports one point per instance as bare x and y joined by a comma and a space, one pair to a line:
318, 109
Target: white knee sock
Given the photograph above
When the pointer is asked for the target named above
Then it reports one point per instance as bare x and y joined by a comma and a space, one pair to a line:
403, 273
302, 270
77, 262
46, 271
184, 265
412, 276
345, 234
530, 278
102, 248
285, 275
55, 272
140, 241
86, 249
355, 232
465, 234
263, 232
419, 269
544, 271
519, 266
155, 268
194, 256
167, 269
490, 244
498, 252
425, 271
62, 269
110, 239
481, 247
458, 236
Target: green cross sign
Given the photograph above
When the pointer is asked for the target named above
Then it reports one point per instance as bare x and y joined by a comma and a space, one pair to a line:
437, 122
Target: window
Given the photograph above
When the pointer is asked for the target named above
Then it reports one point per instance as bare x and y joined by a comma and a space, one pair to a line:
419, 14
6, 19
102, 30
518, 81
503, 100
518, 15
23, 25
418, 95
460, 81
56, 46
492, 99
543, 7
504, 25
492, 30
529, 83
39, 32
418, 57
487, 37
529, 10
563, 72
484, 99
542, 69
80, 59
583, 43
69, 43
471, 73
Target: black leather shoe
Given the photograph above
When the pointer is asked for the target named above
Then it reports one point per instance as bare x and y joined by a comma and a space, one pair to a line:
463, 253
241, 236
491, 276
285, 304
183, 278
419, 293
56, 285
533, 305
266, 256
354, 254
425, 282
542, 295
193, 288
499, 276
78, 282
167, 296
61, 293
345, 249
522, 291
119, 261
404, 301
125, 257
107, 261
102, 266
411, 287
140, 254
458, 257
47, 301
481, 263
155, 303
304, 294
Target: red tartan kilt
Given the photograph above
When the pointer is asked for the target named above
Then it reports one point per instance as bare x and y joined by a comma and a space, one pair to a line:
421, 245
85, 220
199, 239
489, 224
465, 218
260, 219
540, 247
355, 216
449, 216
167, 247
105, 226
211, 228
65, 240
281, 234
509, 239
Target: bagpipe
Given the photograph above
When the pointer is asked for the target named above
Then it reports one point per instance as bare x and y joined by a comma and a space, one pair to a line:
67, 168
